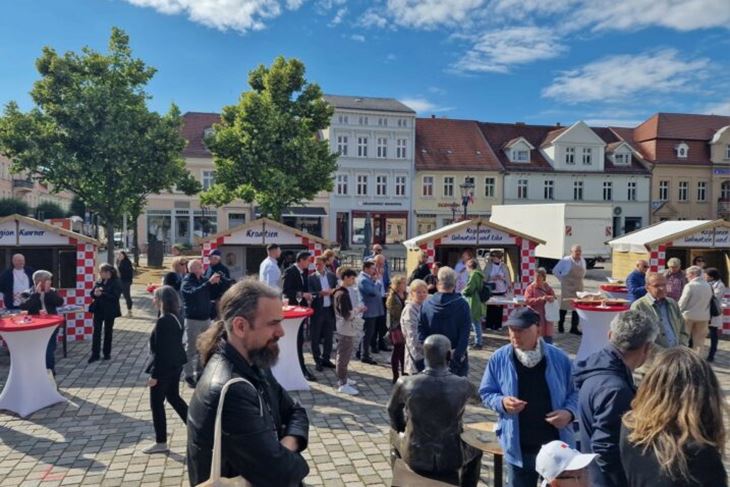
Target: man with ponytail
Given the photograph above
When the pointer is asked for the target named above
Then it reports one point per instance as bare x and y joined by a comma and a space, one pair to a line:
244, 343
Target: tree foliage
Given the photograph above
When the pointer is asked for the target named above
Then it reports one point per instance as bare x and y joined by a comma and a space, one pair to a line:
266, 148
11, 206
77, 207
49, 209
91, 132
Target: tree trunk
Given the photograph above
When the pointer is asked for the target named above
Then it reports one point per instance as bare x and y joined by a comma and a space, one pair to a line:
110, 241
135, 241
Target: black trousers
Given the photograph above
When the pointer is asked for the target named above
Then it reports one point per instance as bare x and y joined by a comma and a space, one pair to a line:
108, 325
168, 387
714, 338
368, 334
381, 329
322, 332
574, 319
494, 317
127, 292
300, 344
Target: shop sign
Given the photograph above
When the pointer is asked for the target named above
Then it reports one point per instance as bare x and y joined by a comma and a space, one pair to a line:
479, 235
380, 203
257, 235
711, 237
29, 235
721, 171
722, 237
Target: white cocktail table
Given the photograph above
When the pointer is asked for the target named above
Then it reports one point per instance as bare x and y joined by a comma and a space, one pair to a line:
287, 370
595, 322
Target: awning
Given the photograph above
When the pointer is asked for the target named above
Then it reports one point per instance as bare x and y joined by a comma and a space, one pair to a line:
316, 211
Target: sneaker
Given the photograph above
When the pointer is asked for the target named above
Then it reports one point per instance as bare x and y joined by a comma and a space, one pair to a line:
348, 389
156, 448
351, 382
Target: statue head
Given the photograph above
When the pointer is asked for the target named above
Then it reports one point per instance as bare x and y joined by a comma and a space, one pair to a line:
437, 352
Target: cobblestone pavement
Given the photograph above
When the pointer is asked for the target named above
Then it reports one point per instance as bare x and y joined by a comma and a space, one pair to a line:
97, 437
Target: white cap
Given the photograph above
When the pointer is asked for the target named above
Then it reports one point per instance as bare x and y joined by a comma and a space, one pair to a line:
556, 457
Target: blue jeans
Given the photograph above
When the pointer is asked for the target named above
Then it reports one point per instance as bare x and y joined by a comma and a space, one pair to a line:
525, 476
477, 326
51, 351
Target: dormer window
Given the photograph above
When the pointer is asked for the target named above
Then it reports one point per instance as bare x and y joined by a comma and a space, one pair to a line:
520, 155
622, 158
570, 155
682, 150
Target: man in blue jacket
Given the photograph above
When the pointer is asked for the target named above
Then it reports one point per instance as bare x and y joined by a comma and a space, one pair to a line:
606, 389
636, 281
371, 295
447, 313
529, 383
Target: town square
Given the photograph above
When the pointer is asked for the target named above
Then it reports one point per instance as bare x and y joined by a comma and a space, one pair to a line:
390, 243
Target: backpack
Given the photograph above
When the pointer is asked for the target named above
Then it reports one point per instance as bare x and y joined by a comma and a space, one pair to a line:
485, 292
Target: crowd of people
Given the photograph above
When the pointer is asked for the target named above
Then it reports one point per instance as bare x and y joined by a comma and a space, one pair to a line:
222, 338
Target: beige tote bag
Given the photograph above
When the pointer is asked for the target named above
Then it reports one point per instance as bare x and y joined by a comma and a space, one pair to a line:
215, 479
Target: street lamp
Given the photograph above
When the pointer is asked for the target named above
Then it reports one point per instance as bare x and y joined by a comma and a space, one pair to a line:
453, 206
467, 193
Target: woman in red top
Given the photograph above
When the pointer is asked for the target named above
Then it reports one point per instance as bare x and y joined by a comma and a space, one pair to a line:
537, 294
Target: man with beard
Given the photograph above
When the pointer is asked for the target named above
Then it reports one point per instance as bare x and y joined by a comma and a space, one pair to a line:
264, 430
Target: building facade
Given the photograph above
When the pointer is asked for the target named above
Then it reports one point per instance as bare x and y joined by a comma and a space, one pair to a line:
32, 192
374, 138
690, 159
450, 154
554, 164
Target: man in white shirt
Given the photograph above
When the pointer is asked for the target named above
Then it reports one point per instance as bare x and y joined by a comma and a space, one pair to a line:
462, 272
15, 281
269, 272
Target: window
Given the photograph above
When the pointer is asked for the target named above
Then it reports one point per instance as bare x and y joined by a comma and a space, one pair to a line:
362, 185
208, 179
520, 155
342, 119
400, 185
522, 189
682, 150
342, 184
448, 187
427, 189
382, 149
362, 120
382, 122
362, 147
622, 158
381, 185
549, 190
663, 190
402, 122
607, 191
469, 180
683, 191
570, 155
727, 151
587, 155
400, 148
631, 191
342, 145
702, 191
577, 190
489, 184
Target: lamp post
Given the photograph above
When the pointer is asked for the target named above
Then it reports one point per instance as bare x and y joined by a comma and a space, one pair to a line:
453, 206
467, 192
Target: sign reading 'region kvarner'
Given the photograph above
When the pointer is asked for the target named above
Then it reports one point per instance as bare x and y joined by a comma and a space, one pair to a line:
29, 235
708, 238
258, 235
479, 235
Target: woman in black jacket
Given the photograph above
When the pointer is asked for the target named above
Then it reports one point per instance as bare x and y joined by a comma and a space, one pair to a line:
105, 308
126, 276
675, 435
168, 357
44, 298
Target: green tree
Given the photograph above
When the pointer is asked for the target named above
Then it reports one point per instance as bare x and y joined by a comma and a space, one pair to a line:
49, 209
11, 206
91, 132
77, 207
266, 148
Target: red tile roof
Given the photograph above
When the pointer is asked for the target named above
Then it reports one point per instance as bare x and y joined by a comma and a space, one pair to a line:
684, 126
446, 144
194, 125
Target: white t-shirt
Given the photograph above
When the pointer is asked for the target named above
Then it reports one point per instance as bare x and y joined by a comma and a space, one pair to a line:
21, 284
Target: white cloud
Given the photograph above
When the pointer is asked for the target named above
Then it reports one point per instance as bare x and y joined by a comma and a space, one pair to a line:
339, 16
431, 13
422, 105
371, 18
497, 51
722, 108
357, 37
618, 78
238, 15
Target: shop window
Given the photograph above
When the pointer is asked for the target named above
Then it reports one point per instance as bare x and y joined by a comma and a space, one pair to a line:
236, 219
204, 224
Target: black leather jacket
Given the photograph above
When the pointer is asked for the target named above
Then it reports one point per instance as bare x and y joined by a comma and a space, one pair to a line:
251, 444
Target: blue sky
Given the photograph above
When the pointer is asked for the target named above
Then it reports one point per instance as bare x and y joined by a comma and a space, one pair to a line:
537, 61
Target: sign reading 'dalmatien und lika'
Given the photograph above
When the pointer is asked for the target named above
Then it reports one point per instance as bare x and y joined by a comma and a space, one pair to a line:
709, 238
478, 234
28, 235
257, 235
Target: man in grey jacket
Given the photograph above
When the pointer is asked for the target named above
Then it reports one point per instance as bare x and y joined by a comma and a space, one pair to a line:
695, 307
371, 294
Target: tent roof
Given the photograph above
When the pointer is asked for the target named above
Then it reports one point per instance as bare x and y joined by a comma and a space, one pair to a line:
666, 231
49, 227
269, 223
416, 242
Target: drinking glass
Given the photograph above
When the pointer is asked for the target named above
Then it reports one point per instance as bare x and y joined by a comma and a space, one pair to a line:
299, 298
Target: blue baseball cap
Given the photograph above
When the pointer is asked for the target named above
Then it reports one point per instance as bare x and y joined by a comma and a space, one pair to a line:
523, 318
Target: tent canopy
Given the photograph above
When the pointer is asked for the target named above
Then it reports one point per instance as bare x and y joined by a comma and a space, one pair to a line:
21, 230
470, 232
684, 233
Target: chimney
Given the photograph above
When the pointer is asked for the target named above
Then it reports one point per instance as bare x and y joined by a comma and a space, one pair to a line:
433, 116
558, 125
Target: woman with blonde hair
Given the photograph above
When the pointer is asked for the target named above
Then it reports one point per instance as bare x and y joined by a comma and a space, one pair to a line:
417, 294
674, 435
395, 303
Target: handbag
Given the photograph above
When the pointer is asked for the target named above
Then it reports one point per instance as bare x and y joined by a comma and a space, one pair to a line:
215, 479
552, 311
715, 309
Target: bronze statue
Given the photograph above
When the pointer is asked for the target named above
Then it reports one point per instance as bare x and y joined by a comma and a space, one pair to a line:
434, 403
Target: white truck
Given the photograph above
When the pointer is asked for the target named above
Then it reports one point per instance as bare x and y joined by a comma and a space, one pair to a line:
561, 226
